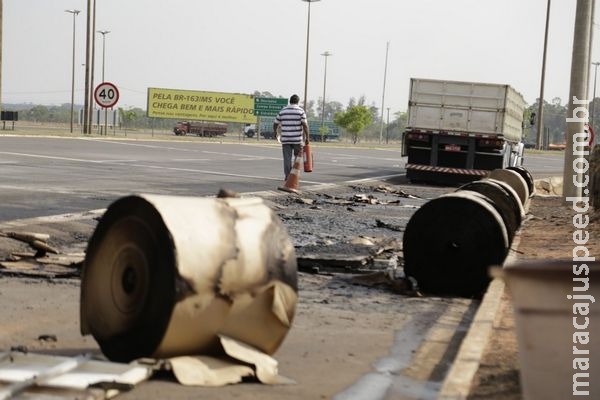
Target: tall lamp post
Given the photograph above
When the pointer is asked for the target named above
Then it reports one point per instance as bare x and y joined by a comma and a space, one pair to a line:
387, 127
326, 55
307, 46
74, 12
387, 49
540, 115
592, 123
104, 33
1, 25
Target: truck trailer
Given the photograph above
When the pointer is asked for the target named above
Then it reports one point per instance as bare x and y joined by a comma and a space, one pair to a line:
200, 128
459, 131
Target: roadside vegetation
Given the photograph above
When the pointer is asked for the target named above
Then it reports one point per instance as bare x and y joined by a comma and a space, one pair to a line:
360, 121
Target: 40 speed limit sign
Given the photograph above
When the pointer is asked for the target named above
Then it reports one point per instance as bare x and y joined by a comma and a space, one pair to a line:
106, 94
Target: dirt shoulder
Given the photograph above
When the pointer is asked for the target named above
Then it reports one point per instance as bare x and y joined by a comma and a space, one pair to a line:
545, 234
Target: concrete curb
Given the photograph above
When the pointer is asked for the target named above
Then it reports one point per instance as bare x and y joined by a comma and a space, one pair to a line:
459, 380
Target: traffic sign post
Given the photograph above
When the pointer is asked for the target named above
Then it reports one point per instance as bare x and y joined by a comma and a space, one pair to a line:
106, 96
268, 106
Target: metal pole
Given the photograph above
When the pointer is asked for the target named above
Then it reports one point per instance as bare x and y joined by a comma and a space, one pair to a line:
75, 13
577, 114
387, 48
592, 113
387, 127
93, 64
86, 100
1, 24
590, 51
307, 47
326, 55
540, 121
103, 33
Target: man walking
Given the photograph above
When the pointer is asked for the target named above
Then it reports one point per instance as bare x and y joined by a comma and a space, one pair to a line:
293, 132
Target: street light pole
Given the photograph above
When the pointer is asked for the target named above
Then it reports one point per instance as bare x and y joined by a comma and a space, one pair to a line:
307, 47
1, 25
593, 118
387, 127
89, 62
574, 181
540, 115
387, 49
326, 55
75, 13
92, 61
103, 33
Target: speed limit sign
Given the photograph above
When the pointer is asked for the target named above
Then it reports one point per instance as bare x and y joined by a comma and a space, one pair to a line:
106, 94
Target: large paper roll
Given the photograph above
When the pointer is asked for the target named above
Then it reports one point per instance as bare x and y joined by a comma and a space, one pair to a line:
164, 276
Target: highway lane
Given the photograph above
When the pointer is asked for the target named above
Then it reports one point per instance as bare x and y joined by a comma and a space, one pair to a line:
51, 175
544, 165
46, 175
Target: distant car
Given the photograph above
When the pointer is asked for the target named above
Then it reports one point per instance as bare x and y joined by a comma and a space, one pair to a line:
557, 146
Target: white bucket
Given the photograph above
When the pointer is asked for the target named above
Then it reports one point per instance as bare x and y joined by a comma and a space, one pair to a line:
544, 301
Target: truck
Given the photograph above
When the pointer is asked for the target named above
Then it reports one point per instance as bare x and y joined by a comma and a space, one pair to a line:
330, 130
459, 131
200, 128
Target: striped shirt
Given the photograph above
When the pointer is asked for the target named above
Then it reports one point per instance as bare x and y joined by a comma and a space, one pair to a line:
290, 120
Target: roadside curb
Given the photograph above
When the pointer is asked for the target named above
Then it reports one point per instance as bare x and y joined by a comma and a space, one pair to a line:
459, 380
460, 377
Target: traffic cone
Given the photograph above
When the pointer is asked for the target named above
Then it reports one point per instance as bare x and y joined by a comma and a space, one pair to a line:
292, 184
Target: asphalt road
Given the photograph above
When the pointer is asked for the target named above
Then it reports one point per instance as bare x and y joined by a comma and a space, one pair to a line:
46, 176
42, 176
392, 347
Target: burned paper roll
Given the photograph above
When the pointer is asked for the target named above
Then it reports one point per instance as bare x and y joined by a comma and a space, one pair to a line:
516, 181
164, 276
526, 175
504, 199
450, 242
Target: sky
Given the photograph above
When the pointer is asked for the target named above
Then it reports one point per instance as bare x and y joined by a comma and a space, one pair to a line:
243, 46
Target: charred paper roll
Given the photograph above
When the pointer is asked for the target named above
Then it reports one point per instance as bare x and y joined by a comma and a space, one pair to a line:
504, 199
516, 181
526, 175
164, 276
450, 242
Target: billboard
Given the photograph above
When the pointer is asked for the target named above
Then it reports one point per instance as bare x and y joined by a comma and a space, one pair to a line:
200, 106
